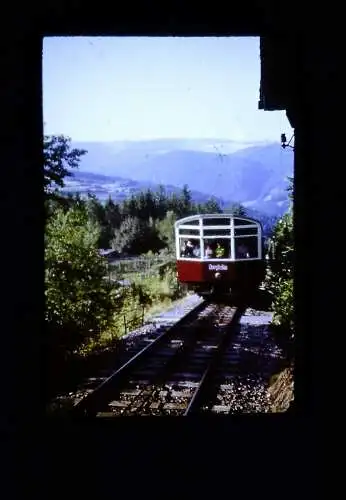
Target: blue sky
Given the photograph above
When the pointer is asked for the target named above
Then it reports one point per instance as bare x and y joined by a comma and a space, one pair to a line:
136, 88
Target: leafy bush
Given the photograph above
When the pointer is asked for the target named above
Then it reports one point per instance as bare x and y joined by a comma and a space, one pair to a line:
135, 236
282, 248
79, 301
166, 231
279, 278
283, 305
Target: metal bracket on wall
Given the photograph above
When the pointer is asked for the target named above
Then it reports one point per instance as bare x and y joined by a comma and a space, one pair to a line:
284, 143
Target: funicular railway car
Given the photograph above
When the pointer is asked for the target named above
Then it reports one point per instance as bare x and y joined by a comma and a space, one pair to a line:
219, 254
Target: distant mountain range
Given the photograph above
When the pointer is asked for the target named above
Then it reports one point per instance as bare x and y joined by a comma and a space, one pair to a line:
120, 188
254, 175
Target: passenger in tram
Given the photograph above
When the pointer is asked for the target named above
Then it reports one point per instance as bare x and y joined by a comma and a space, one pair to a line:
188, 249
243, 251
208, 252
196, 251
220, 251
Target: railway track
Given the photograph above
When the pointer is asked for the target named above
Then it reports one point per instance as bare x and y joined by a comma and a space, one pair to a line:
238, 383
171, 375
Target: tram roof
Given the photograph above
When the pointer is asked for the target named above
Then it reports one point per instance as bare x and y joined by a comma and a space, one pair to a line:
216, 216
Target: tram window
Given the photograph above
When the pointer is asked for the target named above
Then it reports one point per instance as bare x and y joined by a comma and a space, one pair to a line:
222, 248
193, 232
197, 250
189, 248
217, 248
217, 232
240, 231
246, 247
242, 222
209, 251
216, 222
194, 222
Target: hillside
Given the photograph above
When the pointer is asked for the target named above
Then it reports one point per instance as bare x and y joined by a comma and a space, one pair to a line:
253, 175
119, 188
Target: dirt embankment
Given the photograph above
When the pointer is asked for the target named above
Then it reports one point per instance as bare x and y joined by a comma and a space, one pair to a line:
282, 391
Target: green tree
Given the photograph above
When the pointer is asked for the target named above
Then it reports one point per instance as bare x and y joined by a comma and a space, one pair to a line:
282, 247
211, 207
161, 202
58, 159
186, 201
166, 231
130, 237
130, 207
65, 202
150, 204
174, 205
112, 214
97, 213
236, 209
290, 189
279, 279
79, 301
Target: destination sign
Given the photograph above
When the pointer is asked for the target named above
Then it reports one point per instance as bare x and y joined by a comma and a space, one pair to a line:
217, 267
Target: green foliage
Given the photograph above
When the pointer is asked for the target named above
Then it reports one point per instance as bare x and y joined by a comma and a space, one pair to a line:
160, 287
63, 201
84, 308
283, 305
211, 207
143, 222
282, 248
279, 279
144, 265
290, 188
58, 159
135, 237
98, 214
186, 201
143, 295
125, 238
175, 289
112, 214
165, 229
79, 301
236, 209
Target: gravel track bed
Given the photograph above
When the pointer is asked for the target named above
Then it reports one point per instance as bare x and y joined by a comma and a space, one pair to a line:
190, 353
151, 400
131, 344
243, 376
241, 381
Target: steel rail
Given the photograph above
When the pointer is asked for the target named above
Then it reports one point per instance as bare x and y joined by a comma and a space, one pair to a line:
90, 403
203, 386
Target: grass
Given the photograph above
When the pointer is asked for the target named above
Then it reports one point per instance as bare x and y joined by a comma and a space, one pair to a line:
162, 306
100, 350
161, 297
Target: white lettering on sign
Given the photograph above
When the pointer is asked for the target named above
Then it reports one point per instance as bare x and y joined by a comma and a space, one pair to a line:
217, 267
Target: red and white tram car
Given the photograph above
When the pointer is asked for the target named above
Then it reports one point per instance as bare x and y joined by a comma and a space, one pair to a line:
219, 253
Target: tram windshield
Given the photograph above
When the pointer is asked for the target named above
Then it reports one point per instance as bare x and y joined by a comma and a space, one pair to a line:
218, 238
